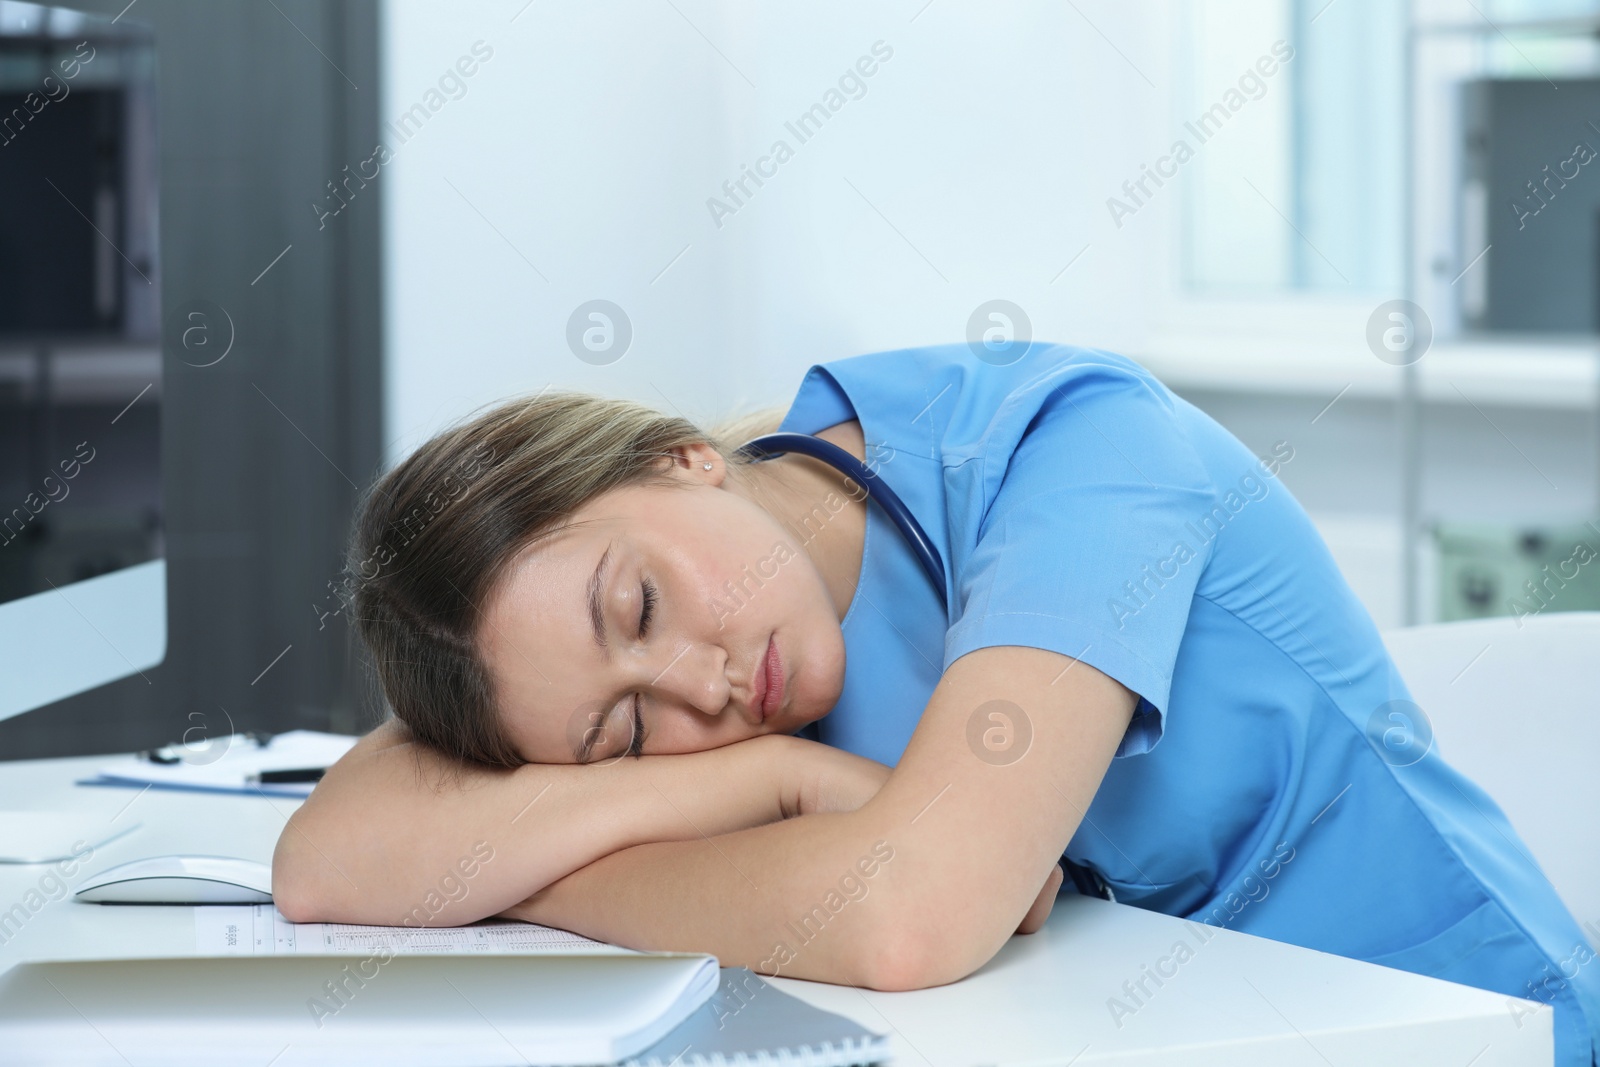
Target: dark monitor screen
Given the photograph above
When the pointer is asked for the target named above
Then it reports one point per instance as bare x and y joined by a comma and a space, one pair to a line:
54, 281
80, 330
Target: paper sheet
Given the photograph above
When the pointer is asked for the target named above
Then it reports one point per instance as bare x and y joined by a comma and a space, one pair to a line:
261, 930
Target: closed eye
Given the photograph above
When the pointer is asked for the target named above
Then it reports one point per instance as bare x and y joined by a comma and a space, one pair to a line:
647, 610
636, 748
647, 605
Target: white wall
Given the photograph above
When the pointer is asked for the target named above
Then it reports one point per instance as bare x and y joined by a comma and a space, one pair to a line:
594, 136
579, 162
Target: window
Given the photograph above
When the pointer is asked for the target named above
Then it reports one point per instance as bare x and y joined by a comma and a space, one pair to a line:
1299, 188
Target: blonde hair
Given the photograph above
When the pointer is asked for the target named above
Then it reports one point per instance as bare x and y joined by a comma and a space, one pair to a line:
438, 532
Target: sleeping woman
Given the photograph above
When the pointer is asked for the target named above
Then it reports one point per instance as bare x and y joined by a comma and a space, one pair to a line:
686, 700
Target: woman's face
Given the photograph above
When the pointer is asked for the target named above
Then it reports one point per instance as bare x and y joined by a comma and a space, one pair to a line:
684, 609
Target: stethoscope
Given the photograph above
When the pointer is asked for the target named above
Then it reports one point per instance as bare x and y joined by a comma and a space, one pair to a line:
1087, 881
775, 444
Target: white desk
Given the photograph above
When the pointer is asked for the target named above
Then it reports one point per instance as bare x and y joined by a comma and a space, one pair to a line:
1043, 1000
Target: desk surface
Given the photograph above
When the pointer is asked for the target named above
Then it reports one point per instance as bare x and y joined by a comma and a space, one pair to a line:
1045, 999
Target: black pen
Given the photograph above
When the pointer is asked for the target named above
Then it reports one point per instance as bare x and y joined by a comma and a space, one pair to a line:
165, 754
300, 774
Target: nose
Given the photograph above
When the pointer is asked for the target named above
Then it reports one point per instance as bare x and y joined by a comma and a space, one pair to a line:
697, 675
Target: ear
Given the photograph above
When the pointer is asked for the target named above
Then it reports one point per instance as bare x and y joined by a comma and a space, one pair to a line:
689, 462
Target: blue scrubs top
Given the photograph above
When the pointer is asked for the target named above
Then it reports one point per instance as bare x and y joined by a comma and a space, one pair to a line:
1268, 782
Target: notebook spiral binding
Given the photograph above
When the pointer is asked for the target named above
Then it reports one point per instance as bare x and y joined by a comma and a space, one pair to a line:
870, 1050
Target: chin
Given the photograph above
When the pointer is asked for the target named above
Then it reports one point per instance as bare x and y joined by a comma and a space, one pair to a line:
821, 699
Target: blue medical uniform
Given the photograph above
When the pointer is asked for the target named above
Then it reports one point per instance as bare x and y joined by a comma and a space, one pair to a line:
1274, 778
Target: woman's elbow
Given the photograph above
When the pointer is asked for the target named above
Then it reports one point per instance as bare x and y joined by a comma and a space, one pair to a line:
904, 955
296, 887
290, 894
293, 905
292, 900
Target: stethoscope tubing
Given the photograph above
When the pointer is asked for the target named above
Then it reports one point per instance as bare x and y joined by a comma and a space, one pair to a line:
922, 546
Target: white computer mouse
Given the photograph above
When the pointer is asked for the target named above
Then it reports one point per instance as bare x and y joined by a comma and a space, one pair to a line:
180, 880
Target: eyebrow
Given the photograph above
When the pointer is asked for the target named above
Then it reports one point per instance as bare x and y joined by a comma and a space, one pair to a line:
597, 619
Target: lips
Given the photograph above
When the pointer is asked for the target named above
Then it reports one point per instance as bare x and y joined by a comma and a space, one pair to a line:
772, 698
758, 686
767, 683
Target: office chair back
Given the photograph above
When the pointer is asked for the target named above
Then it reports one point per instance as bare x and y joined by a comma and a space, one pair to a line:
1517, 709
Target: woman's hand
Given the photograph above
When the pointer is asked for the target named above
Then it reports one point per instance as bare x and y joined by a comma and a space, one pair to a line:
820, 778
1045, 901
826, 779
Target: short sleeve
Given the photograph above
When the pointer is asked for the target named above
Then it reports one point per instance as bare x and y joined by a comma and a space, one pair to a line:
1085, 537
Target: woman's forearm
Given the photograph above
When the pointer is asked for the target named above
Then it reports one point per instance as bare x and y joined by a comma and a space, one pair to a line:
801, 898
396, 833
761, 899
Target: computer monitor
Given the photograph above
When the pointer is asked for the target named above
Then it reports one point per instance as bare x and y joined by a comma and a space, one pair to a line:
82, 562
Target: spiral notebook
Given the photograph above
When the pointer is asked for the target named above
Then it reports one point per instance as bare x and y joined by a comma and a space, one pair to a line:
434, 1009
745, 1022
748, 1022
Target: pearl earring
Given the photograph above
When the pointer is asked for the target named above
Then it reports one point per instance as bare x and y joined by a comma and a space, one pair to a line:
707, 465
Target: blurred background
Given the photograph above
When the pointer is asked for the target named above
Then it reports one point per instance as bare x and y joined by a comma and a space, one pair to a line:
1365, 228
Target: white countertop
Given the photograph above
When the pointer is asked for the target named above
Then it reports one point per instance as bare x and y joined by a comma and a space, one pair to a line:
1044, 999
